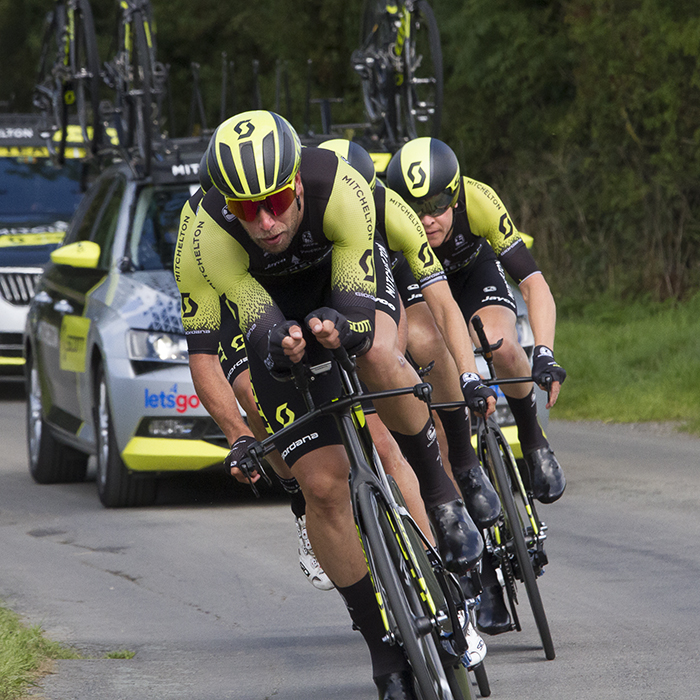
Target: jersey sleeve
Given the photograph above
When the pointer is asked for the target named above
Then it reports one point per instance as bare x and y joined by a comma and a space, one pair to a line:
405, 233
489, 218
200, 306
349, 223
224, 264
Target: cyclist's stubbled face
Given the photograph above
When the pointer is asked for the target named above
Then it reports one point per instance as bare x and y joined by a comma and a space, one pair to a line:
438, 228
274, 233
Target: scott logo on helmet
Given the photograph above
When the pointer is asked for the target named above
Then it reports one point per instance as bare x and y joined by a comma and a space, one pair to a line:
412, 174
245, 124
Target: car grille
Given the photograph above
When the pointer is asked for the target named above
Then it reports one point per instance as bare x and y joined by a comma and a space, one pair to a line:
10, 345
17, 286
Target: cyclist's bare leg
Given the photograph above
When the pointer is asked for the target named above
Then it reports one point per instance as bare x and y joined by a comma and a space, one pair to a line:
385, 367
244, 394
426, 344
510, 360
323, 475
395, 464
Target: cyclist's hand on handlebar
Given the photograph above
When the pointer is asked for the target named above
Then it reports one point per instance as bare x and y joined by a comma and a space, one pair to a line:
325, 324
547, 373
479, 397
285, 347
332, 329
238, 451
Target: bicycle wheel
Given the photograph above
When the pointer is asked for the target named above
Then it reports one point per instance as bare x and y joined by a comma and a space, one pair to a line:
134, 90
85, 76
373, 63
500, 464
422, 88
402, 594
455, 671
47, 96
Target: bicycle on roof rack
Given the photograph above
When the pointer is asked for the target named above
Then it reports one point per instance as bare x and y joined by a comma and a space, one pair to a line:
515, 542
400, 63
68, 78
422, 604
138, 79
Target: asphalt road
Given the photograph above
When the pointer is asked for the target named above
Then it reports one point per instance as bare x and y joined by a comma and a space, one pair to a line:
205, 586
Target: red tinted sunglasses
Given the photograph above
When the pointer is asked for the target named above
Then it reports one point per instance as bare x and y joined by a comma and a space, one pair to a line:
276, 203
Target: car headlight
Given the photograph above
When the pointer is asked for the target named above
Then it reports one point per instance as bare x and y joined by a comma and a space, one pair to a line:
156, 346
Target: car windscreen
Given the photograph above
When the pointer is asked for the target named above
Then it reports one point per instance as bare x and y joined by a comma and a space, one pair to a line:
155, 226
36, 196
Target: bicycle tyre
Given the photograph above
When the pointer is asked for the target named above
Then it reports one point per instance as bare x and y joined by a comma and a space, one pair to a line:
513, 519
85, 68
134, 90
456, 674
423, 86
378, 93
402, 605
47, 94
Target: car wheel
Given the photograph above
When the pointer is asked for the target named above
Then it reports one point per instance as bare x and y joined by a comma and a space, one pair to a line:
117, 487
50, 462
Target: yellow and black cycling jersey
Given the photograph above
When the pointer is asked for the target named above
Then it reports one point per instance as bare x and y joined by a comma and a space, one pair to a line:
480, 217
403, 232
332, 254
200, 304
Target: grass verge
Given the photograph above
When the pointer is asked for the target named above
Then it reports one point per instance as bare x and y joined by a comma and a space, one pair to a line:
23, 653
630, 362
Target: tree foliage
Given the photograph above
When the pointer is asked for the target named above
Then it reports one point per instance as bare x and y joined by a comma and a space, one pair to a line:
583, 114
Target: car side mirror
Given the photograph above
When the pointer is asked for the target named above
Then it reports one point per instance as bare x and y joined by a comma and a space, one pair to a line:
80, 254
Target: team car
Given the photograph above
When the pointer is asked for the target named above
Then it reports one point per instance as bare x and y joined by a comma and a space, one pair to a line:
106, 357
37, 199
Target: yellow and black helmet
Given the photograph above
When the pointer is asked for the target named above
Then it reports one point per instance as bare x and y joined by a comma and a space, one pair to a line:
425, 172
356, 156
252, 155
204, 177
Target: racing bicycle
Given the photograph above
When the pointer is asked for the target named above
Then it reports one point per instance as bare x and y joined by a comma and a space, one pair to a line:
68, 80
400, 64
422, 604
515, 542
138, 80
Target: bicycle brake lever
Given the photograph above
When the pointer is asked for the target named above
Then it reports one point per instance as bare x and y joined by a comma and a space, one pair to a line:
247, 466
423, 391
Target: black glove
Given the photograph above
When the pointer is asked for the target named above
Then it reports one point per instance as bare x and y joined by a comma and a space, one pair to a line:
544, 364
475, 392
355, 336
239, 450
279, 364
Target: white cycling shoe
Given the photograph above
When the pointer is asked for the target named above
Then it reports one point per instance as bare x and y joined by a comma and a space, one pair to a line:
308, 562
476, 646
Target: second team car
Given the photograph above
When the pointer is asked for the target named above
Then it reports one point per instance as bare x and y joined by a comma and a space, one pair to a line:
37, 199
107, 371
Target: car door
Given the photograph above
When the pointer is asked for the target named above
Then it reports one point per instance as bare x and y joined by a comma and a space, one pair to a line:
65, 292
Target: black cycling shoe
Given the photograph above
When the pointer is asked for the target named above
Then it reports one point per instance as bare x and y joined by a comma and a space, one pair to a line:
459, 541
492, 616
546, 475
395, 686
480, 497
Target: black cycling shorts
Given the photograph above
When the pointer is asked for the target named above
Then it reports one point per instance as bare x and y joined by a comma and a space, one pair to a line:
482, 284
280, 403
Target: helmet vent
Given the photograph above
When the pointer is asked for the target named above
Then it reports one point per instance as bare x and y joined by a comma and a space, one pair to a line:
250, 171
268, 150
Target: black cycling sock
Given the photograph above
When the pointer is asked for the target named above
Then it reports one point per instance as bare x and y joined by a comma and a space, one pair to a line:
362, 605
530, 433
298, 502
423, 454
460, 451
